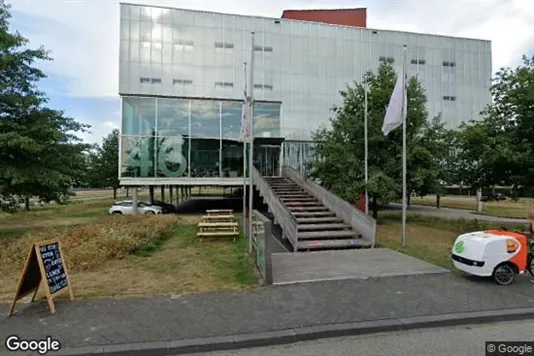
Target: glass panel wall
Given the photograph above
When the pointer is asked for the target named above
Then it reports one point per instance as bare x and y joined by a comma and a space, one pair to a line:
172, 145
266, 120
163, 137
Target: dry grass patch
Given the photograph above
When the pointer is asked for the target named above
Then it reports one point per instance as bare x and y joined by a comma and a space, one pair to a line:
175, 265
506, 209
90, 245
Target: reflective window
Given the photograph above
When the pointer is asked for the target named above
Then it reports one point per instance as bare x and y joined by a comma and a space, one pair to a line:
231, 119
205, 157
137, 156
232, 159
138, 116
205, 118
266, 120
173, 117
171, 156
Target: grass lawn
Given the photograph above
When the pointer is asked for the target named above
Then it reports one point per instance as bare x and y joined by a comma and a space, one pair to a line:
171, 263
121, 193
505, 209
428, 238
41, 218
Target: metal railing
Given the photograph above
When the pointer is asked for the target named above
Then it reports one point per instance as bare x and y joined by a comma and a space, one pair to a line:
359, 221
262, 241
283, 217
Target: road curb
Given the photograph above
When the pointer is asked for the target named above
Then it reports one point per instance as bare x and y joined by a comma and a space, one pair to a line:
308, 333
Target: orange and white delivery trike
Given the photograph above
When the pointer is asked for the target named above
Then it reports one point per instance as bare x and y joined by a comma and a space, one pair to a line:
500, 254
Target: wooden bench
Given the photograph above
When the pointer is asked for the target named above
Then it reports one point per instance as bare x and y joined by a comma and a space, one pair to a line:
208, 229
214, 218
220, 222
219, 212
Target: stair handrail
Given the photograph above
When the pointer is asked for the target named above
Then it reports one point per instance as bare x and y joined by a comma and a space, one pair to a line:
359, 221
283, 217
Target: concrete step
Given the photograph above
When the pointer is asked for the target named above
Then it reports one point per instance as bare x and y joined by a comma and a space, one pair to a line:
303, 199
293, 194
319, 220
302, 203
309, 214
327, 235
306, 208
328, 227
332, 244
287, 189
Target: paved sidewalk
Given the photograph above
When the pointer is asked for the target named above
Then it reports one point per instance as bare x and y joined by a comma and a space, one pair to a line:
275, 308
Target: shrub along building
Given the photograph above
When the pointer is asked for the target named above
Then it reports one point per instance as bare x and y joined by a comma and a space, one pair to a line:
182, 81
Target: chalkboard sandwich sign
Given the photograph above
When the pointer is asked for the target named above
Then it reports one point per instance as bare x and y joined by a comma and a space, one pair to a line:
45, 263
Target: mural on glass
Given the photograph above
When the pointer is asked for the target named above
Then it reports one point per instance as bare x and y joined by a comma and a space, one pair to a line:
188, 138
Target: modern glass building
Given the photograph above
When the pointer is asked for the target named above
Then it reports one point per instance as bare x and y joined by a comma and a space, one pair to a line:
182, 80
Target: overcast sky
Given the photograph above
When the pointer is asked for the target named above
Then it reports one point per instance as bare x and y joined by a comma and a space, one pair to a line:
83, 37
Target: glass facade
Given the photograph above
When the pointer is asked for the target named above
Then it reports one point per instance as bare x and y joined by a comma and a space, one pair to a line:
299, 69
163, 137
303, 65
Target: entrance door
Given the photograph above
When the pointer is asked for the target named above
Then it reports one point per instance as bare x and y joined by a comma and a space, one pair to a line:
267, 159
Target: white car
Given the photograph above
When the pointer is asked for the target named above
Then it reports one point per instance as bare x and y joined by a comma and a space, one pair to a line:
126, 208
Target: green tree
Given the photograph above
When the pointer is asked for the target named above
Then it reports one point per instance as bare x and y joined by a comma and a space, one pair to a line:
340, 147
39, 152
499, 149
105, 163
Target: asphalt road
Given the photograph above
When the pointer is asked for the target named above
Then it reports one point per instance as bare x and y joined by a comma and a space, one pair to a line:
450, 341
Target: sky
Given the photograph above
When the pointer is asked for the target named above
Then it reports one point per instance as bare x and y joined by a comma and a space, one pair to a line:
83, 38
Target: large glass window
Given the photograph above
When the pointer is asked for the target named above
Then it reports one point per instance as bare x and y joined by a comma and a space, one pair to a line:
266, 120
231, 119
205, 118
232, 159
137, 158
205, 138
171, 156
138, 117
205, 157
180, 137
172, 143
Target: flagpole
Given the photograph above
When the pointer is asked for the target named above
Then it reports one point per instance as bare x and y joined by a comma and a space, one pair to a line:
251, 136
243, 133
365, 149
404, 192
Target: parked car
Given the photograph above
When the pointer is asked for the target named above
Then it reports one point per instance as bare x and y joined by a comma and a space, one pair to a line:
126, 208
165, 207
494, 197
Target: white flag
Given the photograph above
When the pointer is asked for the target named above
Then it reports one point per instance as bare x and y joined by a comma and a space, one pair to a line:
398, 106
245, 113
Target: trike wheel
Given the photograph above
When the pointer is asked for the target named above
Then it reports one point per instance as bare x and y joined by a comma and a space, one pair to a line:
504, 274
530, 266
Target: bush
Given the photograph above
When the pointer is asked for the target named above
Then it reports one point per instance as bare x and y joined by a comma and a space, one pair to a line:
87, 246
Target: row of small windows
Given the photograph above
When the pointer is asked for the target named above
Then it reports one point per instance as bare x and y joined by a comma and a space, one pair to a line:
263, 87
224, 85
223, 45
144, 80
418, 61
188, 82
182, 82
383, 59
263, 49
